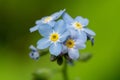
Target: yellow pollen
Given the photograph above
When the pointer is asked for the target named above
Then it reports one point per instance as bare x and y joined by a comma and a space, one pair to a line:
70, 43
78, 25
47, 19
54, 37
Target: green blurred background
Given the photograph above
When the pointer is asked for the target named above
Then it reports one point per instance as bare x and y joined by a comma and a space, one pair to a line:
17, 16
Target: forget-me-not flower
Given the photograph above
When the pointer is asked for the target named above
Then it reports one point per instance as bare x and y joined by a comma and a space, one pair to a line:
78, 24
50, 20
53, 37
72, 46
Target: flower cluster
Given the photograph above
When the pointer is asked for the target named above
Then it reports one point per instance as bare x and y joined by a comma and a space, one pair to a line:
63, 35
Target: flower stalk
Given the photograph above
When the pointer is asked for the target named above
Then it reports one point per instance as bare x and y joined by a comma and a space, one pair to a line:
64, 71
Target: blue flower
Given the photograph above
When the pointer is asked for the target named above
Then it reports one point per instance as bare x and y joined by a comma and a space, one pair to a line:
53, 37
78, 24
50, 20
72, 46
34, 54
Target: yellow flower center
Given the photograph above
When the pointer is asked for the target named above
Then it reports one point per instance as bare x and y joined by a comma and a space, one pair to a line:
54, 37
77, 25
70, 43
47, 19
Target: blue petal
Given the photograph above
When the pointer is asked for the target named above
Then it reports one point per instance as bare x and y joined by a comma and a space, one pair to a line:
73, 33
33, 48
67, 18
90, 32
39, 22
73, 54
69, 26
45, 30
83, 21
60, 27
64, 49
79, 44
57, 14
64, 36
55, 49
82, 36
34, 28
43, 43
52, 23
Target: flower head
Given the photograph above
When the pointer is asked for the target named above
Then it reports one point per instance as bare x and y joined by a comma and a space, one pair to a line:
50, 20
63, 37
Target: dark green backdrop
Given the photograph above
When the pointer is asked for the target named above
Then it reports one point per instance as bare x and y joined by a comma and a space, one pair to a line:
17, 16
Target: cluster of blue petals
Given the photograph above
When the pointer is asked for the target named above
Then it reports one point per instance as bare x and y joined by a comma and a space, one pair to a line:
62, 34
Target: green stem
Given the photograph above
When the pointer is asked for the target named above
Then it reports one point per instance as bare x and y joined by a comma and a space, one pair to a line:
64, 71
